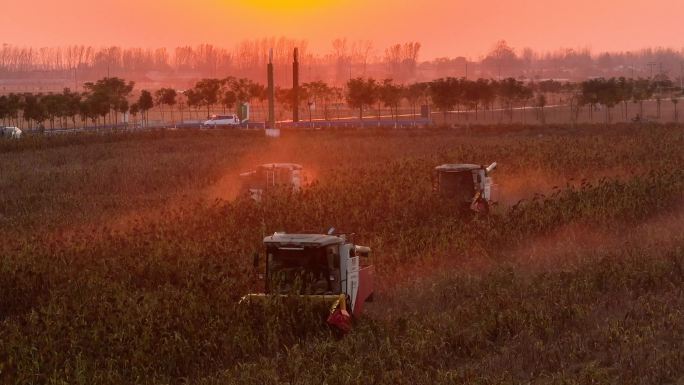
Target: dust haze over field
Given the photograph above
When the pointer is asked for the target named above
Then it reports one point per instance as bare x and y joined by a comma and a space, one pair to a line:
131, 252
287, 150
125, 254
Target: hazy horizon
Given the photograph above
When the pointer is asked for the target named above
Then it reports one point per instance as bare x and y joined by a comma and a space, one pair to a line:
443, 29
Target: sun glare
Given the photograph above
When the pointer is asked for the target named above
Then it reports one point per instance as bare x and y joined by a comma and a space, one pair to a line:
286, 5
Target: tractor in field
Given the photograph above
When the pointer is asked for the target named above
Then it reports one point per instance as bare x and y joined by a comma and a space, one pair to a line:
327, 269
271, 176
468, 184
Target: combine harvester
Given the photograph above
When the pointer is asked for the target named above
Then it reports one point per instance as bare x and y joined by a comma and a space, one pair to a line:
10, 132
270, 176
325, 269
469, 184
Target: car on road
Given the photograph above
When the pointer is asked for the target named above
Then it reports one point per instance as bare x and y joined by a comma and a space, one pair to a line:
222, 121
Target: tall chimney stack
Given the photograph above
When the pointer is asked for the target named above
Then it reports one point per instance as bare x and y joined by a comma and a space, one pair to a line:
295, 86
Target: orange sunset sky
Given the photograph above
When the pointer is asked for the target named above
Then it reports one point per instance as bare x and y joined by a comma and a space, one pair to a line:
444, 27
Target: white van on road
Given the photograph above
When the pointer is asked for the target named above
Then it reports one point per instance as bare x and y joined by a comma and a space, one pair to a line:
222, 121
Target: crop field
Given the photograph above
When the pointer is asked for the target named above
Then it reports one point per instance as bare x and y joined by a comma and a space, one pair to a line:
124, 256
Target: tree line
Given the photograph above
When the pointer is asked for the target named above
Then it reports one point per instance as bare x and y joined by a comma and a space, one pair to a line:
247, 58
460, 94
344, 59
103, 101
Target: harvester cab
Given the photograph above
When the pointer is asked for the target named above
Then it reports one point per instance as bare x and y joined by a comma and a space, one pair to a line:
322, 268
469, 184
270, 176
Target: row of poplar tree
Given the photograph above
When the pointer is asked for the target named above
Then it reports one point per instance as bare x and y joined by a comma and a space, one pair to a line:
102, 102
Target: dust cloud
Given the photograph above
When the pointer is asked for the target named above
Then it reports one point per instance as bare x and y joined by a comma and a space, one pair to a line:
517, 185
282, 150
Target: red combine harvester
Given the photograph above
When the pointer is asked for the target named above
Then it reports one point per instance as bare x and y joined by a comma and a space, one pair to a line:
271, 176
323, 268
469, 184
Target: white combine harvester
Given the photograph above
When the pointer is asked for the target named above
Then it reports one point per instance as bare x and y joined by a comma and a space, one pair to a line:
271, 176
323, 268
469, 184
10, 132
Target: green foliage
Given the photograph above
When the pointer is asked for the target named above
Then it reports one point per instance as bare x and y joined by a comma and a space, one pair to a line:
444, 93
390, 95
361, 93
108, 94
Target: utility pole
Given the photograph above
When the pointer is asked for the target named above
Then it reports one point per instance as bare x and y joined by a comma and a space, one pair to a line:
271, 91
651, 65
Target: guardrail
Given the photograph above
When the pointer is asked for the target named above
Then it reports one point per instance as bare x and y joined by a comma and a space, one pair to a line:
356, 124
320, 124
